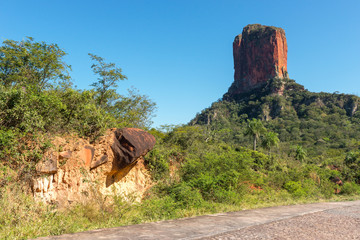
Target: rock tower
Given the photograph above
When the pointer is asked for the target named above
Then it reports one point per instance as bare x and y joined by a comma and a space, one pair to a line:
260, 54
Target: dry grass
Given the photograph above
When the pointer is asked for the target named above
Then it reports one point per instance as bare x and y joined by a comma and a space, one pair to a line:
21, 217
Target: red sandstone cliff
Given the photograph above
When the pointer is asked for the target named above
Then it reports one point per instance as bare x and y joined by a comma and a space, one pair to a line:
260, 54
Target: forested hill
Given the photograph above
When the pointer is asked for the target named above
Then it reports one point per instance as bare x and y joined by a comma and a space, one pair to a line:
317, 121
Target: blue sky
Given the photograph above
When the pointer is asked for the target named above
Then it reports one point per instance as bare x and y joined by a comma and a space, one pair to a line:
179, 52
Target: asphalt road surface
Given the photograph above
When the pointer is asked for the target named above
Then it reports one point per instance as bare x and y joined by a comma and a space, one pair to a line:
334, 220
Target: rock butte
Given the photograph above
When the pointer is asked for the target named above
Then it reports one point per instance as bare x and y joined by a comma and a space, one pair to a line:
260, 54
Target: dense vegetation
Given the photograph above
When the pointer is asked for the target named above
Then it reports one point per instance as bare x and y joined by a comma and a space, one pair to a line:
37, 99
252, 150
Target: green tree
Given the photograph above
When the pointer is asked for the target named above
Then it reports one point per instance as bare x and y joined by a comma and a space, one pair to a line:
254, 129
32, 64
186, 136
133, 110
108, 77
270, 140
300, 153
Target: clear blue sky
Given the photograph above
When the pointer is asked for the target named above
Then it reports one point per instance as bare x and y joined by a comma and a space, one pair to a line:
179, 52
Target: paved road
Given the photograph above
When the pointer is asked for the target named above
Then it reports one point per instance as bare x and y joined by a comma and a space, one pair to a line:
335, 220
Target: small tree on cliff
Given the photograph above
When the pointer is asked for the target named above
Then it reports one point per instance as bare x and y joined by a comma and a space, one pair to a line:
109, 76
132, 110
254, 129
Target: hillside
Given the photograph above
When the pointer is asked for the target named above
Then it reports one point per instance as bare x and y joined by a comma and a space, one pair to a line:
268, 141
317, 121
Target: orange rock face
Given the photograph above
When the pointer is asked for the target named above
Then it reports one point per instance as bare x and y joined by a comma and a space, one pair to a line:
260, 54
82, 171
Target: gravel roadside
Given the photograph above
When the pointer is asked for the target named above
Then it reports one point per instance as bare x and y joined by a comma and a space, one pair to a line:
341, 223
328, 220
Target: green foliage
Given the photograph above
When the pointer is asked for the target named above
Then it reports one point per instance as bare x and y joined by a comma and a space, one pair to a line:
28, 63
352, 166
133, 110
350, 188
300, 153
36, 93
295, 188
157, 161
37, 100
185, 195
8, 139
159, 208
254, 129
270, 140
218, 175
327, 189
318, 122
187, 138
109, 76
82, 114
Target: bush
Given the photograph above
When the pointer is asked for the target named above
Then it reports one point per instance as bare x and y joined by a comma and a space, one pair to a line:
278, 179
350, 188
158, 164
327, 188
186, 196
8, 143
227, 196
295, 189
158, 208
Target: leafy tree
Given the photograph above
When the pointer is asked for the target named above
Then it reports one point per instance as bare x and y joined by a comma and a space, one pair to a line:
108, 77
254, 129
133, 110
351, 158
186, 136
82, 114
300, 153
32, 63
270, 140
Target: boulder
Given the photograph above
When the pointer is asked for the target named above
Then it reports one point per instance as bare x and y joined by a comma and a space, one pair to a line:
48, 165
129, 145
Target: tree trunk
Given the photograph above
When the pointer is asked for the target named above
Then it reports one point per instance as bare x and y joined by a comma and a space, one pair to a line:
254, 142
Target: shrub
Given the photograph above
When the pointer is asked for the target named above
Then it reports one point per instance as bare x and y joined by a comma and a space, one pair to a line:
158, 208
295, 189
158, 163
227, 196
185, 195
327, 188
350, 188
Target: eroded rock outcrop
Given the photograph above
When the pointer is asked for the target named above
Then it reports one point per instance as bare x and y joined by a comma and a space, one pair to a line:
260, 54
75, 170
129, 145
